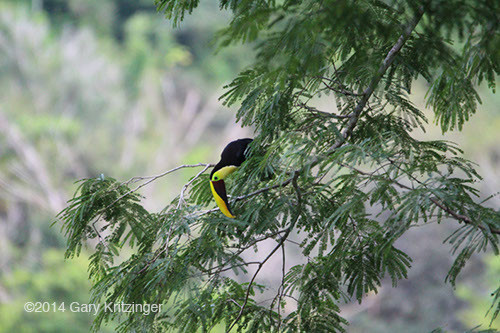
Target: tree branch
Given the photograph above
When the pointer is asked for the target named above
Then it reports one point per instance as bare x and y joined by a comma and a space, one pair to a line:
150, 179
367, 93
342, 90
434, 200
323, 113
264, 189
184, 188
281, 289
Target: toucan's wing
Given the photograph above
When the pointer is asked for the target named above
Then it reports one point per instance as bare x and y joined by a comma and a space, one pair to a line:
240, 156
234, 153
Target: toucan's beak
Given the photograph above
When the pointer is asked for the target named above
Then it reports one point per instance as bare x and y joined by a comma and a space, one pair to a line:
219, 192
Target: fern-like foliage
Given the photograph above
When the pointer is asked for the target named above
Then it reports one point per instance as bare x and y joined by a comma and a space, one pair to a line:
351, 181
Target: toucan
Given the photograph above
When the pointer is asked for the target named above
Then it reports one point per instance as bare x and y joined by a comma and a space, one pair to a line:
231, 158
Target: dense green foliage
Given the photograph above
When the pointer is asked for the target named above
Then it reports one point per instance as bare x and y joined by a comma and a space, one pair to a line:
352, 179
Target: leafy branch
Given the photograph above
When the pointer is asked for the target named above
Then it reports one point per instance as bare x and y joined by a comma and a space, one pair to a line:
184, 255
280, 244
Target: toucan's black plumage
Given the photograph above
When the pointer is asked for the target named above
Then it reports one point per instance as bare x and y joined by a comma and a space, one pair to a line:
233, 154
231, 158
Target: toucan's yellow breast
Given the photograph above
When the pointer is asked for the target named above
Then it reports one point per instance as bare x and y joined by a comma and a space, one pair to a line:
220, 202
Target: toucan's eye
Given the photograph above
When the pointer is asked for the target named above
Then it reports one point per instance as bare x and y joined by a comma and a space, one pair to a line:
216, 178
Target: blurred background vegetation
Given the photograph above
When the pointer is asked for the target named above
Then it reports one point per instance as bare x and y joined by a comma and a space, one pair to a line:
109, 87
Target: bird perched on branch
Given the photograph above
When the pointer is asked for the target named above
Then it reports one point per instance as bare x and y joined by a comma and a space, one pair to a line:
231, 158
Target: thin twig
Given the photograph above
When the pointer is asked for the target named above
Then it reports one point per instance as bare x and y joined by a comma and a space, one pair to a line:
281, 289
184, 188
323, 113
153, 178
238, 265
135, 179
435, 201
342, 90
243, 249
